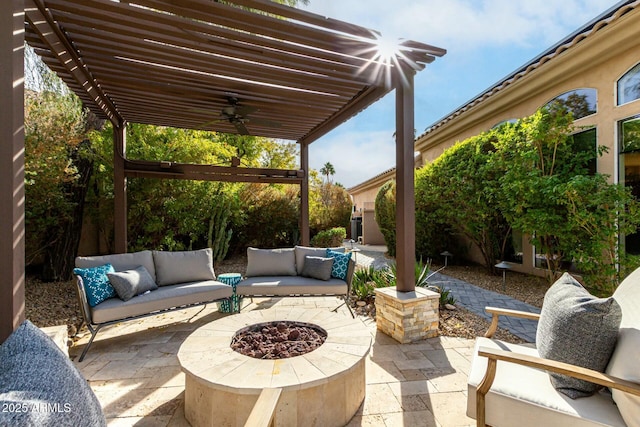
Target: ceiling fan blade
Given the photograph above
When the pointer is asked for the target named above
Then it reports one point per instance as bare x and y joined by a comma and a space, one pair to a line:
244, 110
242, 129
210, 122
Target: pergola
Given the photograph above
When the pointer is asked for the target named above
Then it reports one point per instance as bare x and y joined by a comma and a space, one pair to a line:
243, 66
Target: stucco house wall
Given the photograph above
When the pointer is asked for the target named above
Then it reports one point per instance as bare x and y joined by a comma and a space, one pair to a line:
595, 57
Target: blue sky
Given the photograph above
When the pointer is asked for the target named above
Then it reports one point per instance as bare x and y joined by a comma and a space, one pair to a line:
486, 40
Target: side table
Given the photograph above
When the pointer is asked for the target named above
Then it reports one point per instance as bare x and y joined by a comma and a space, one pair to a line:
233, 304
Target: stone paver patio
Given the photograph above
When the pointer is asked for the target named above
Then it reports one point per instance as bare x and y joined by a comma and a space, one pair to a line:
134, 370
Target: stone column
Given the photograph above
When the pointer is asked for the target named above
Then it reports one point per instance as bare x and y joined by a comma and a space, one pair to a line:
407, 316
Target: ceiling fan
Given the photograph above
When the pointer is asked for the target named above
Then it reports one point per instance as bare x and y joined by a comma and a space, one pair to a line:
239, 116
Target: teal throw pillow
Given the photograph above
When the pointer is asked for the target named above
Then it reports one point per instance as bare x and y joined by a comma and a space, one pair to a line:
96, 283
340, 264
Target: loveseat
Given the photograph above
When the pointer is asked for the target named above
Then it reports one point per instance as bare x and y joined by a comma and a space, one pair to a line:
298, 271
119, 287
512, 385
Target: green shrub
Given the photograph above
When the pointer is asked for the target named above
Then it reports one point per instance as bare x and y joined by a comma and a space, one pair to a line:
385, 214
329, 238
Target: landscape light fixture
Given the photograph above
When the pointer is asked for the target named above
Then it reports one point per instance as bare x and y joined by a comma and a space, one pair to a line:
446, 255
504, 267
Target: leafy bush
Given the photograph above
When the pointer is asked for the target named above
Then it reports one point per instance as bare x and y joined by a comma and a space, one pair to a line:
385, 214
366, 280
445, 295
271, 216
329, 238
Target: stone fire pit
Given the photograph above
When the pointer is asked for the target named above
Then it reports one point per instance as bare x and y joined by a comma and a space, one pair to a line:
323, 387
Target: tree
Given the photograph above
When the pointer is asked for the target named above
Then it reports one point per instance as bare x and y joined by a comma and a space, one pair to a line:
385, 214
548, 193
328, 170
57, 169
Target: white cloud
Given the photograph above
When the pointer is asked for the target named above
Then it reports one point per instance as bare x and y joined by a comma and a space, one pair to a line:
467, 24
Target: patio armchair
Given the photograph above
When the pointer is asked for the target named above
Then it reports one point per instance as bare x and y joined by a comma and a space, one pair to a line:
512, 385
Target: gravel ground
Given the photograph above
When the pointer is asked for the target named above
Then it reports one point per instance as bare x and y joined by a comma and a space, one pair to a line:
49, 304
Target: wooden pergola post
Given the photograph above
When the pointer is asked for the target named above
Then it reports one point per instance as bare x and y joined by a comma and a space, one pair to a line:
119, 187
405, 195
304, 195
12, 198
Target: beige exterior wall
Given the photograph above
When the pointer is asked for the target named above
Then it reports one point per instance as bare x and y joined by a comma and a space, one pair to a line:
596, 61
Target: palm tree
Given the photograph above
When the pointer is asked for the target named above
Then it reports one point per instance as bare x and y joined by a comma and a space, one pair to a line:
328, 170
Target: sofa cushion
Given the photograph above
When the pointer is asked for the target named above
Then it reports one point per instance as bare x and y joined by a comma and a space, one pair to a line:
624, 361
183, 266
303, 251
340, 264
165, 297
271, 262
576, 327
317, 267
96, 283
40, 386
290, 285
524, 397
120, 262
130, 283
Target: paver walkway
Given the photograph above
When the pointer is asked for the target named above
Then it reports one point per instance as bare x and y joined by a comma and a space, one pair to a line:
471, 297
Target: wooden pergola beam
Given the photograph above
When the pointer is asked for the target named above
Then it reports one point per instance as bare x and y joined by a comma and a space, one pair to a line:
12, 279
405, 186
41, 21
173, 170
184, 63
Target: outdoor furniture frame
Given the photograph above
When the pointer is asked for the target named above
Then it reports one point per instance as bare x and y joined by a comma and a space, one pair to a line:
192, 289
497, 398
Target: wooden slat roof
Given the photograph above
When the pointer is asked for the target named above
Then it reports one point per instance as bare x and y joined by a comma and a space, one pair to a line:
178, 62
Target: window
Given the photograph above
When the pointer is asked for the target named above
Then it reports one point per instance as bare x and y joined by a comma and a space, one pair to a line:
503, 122
586, 141
629, 86
581, 102
629, 169
513, 247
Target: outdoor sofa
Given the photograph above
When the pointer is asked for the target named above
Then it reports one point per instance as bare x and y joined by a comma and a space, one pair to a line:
119, 287
298, 271
587, 343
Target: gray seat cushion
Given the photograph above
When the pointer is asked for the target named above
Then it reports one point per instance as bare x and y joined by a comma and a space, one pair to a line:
39, 386
163, 298
271, 262
524, 397
183, 266
576, 327
290, 285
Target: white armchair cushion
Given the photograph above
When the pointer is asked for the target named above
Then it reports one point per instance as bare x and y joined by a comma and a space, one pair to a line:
521, 396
